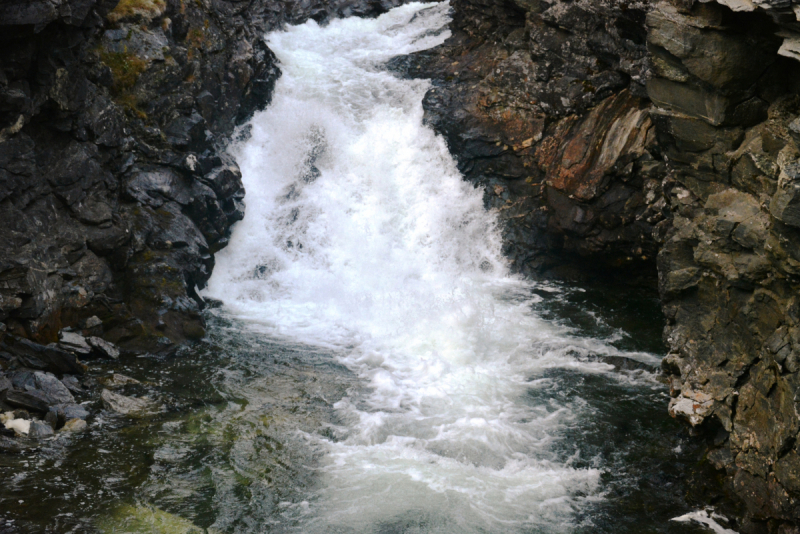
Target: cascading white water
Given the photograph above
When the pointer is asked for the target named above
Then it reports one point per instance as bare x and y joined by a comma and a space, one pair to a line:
361, 236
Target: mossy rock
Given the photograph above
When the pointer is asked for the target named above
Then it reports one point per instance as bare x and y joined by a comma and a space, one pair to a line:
140, 519
144, 10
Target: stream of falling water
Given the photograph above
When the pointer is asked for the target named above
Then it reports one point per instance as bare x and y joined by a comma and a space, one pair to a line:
362, 238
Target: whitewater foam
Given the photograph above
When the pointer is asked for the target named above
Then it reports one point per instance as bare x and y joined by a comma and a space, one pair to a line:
361, 236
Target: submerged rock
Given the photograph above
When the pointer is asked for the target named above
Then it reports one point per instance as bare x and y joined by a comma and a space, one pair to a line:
117, 380
40, 430
145, 519
74, 426
34, 401
127, 405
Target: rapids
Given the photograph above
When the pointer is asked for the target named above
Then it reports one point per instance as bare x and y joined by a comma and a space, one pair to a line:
362, 237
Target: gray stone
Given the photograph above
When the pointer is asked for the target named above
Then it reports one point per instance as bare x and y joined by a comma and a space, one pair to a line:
785, 205
34, 401
103, 348
73, 342
40, 430
92, 322
70, 411
53, 389
74, 426
72, 384
127, 405
5, 384
131, 39
46, 358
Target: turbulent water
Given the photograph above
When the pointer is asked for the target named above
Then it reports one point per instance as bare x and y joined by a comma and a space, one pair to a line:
362, 237
373, 366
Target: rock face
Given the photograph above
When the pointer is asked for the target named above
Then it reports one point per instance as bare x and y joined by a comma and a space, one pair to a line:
726, 101
115, 192
624, 132
544, 104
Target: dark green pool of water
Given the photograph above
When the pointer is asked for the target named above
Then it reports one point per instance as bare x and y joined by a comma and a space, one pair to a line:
227, 452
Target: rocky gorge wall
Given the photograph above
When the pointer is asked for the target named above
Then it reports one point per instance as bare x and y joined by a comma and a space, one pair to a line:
114, 188
619, 133
726, 94
545, 106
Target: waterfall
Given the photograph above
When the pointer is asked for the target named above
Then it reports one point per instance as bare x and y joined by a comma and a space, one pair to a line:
361, 236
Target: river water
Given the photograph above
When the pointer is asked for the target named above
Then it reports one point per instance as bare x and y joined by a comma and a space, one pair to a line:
372, 366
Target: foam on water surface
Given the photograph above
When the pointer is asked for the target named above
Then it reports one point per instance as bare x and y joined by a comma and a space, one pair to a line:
361, 236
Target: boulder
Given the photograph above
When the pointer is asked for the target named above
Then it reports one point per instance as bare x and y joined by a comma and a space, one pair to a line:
45, 358
55, 391
34, 401
44, 385
72, 384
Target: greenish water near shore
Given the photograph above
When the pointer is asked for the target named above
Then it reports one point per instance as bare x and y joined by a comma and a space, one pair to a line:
235, 446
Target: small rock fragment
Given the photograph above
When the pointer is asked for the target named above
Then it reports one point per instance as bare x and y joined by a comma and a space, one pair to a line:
92, 322
74, 425
5, 384
117, 380
126, 405
73, 342
74, 411
40, 430
72, 383
103, 348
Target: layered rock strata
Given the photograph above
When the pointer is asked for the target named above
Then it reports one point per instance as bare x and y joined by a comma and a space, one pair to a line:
727, 113
544, 104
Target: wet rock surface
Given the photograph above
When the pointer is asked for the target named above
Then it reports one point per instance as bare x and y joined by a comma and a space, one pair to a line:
544, 104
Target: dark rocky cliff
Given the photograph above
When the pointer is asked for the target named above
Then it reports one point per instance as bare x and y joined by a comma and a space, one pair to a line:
726, 90
545, 105
114, 191
618, 133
